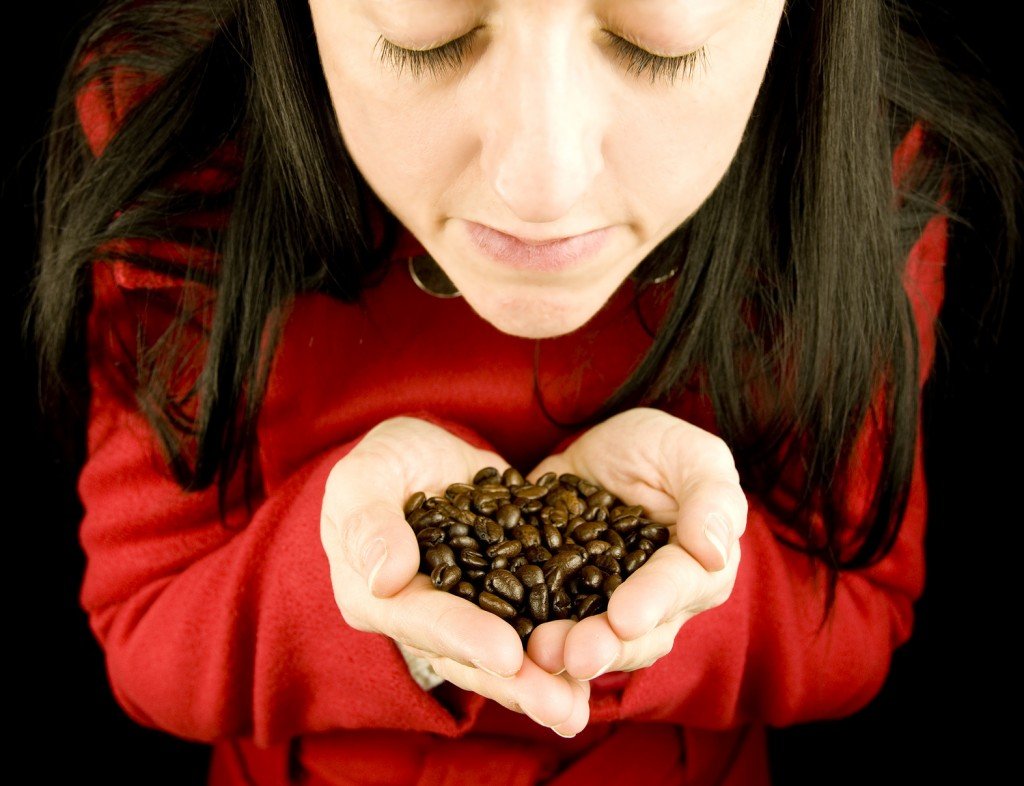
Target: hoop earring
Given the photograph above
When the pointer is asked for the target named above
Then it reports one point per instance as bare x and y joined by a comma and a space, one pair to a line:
429, 277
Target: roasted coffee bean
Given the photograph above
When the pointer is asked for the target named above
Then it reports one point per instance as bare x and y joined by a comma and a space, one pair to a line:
533, 506
488, 531
601, 498
574, 548
610, 584
466, 590
517, 562
431, 535
508, 516
547, 479
527, 534
538, 554
499, 563
590, 605
655, 533
530, 575
554, 576
596, 547
444, 577
424, 517
588, 530
455, 489
531, 491
414, 502
552, 536
592, 576
507, 549
586, 488
524, 627
633, 560
462, 501
485, 474
607, 563
497, 489
625, 510
511, 477
569, 479
567, 561
475, 574
488, 601
616, 545
539, 602
473, 559
504, 584
456, 530
561, 604
464, 542
646, 546
574, 522
558, 516
626, 524
484, 503
441, 554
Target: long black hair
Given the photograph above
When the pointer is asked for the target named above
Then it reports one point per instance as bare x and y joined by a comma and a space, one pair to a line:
789, 310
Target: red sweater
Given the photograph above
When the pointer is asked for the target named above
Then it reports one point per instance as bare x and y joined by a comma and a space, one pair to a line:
232, 635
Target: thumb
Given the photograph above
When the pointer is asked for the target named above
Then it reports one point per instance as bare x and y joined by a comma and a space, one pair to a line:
381, 547
712, 517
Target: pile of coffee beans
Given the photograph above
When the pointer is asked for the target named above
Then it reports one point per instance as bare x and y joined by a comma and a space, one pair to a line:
553, 550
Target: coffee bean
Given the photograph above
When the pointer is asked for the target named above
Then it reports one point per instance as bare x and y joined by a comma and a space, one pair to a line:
655, 533
517, 562
524, 627
586, 488
532, 506
539, 602
441, 554
596, 547
462, 502
530, 575
589, 530
626, 524
508, 516
507, 548
607, 563
552, 537
474, 574
538, 554
531, 492
473, 559
592, 576
499, 563
511, 477
485, 474
490, 602
431, 535
616, 545
646, 546
610, 584
569, 479
527, 534
466, 590
567, 561
444, 577
424, 517
488, 531
554, 576
504, 584
561, 604
547, 479
625, 510
464, 542
633, 560
414, 502
484, 503
590, 605
455, 489
457, 529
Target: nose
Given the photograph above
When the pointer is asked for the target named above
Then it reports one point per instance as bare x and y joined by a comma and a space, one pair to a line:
542, 133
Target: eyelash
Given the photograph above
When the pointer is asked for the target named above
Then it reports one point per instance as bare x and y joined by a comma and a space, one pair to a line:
446, 58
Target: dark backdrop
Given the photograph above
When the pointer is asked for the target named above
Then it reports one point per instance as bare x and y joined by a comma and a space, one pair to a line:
935, 716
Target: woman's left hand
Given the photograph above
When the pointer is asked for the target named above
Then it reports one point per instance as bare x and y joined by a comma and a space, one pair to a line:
685, 478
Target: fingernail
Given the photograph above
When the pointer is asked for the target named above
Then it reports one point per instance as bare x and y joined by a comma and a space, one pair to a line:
717, 531
564, 736
482, 667
601, 670
374, 554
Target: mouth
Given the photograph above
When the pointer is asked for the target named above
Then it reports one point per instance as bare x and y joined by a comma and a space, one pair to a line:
550, 256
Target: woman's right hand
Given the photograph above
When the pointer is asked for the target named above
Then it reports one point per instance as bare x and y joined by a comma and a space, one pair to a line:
374, 559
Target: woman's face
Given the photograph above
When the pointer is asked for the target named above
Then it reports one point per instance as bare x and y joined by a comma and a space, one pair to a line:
542, 124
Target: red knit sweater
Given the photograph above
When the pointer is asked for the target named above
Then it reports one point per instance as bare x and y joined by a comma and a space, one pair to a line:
232, 635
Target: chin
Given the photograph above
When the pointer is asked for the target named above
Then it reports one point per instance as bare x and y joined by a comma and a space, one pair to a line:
537, 318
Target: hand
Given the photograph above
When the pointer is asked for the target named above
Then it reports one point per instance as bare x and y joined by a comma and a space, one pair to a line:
374, 560
685, 478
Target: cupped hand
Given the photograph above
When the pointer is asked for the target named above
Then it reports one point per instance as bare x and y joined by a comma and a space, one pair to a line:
686, 479
374, 560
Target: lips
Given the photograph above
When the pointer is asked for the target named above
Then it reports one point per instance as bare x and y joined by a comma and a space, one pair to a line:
546, 256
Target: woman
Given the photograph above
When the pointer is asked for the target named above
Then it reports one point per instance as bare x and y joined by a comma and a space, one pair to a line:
260, 195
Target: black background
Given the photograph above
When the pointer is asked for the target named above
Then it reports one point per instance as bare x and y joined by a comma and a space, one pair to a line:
936, 715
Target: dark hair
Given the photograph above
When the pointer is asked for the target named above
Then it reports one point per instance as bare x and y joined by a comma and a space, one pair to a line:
767, 264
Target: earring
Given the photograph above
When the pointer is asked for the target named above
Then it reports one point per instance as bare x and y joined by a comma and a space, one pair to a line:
429, 277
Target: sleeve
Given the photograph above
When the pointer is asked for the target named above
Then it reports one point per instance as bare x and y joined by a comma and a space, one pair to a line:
214, 629
762, 656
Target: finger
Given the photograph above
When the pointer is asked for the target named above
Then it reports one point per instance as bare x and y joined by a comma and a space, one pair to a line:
669, 585
447, 626
712, 517
594, 635
546, 699
577, 722
547, 644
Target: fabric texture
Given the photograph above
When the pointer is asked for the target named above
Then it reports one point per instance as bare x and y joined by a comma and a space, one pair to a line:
231, 635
